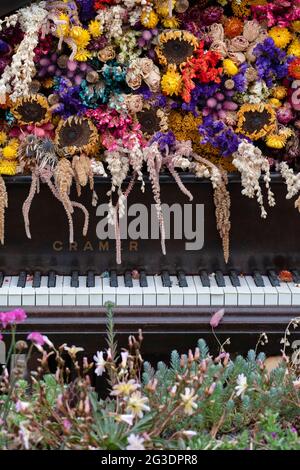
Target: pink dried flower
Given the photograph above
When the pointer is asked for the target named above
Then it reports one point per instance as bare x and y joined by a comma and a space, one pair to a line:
36, 338
216, 318
12, 317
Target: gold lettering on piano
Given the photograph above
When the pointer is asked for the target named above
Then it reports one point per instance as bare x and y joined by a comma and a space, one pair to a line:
103, 246
133, 246
57, 245
88, 246
73, 246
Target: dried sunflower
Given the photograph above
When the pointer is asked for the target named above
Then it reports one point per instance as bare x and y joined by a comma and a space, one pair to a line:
33, 109
77, 135
152, 119
256, 120
175, 47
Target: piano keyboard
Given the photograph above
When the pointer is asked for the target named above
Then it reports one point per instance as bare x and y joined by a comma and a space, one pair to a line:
163, 290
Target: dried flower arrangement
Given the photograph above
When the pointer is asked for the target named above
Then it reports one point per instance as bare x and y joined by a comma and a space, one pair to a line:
121, 88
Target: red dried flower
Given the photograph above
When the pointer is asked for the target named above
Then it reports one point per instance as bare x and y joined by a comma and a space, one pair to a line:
203, 67
102, 4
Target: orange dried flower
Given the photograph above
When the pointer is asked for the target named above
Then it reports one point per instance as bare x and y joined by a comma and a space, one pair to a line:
285, 276
233, 27
294, 68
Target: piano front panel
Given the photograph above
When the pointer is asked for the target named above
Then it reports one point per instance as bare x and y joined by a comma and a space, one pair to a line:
256, 244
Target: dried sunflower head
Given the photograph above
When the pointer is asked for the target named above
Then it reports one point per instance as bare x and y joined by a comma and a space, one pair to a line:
32, 109
152, 119
256, 120
77, 135
175, 47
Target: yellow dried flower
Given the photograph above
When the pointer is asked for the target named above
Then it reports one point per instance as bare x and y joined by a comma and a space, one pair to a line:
281, 36
95, 28
171, 22
275, 102
9, 152
171, 82
296, 26
63, 25
162, 7
279, 92
82, 55
80, 36
48, 83
8, 167
294, 48
149, 19
276, 141
230, 68
3, 137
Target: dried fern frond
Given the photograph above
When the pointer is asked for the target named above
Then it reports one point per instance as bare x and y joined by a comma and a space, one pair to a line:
3, 206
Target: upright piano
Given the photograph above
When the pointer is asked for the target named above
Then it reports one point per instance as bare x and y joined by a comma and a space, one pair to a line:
64, 288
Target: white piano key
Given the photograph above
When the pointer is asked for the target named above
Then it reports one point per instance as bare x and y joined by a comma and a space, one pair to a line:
216, 292
295, 292
15, 292
189, 292
284, 294
96, 293
28, 293
109, 293
149, 293
230, 292
176, 292
42, 292
271, 293
69, 293
122, 292
203, 293
82, 292
56, 293
4, 291
136, 293
257, 293
162, 293
243, 292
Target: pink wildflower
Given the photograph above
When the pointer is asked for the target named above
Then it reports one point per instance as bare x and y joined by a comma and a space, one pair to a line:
12, 317
36, 338
216, 318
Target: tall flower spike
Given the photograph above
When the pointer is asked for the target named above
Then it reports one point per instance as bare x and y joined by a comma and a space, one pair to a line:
3, 206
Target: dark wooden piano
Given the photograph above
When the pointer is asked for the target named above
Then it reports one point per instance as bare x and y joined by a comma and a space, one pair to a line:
63, 287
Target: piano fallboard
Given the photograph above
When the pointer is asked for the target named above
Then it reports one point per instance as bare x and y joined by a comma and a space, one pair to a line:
255, 243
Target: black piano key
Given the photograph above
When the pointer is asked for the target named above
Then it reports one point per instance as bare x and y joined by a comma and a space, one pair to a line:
128, 279
234, 278
113, 279
182, 282
273, 278
90, 279
143, 279
51, 279
204, 278
22, 279
296, 276
36, 281
259, 282
165, 277
1, 278
220, 279
75, 279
